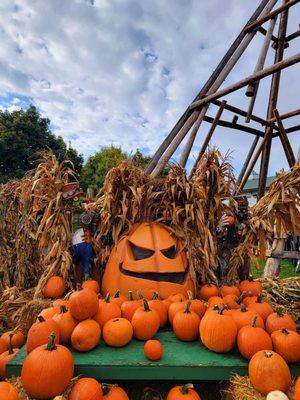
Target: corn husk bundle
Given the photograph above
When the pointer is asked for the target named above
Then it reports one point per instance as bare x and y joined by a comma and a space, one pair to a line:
240, 388
276, 214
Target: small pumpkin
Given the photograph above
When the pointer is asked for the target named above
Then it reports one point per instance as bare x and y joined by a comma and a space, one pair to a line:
60, 302
279, 320
251, 339
83, 304
250, 286
129, 307
197, 306
174, 308
185, 392
39, 333
287, 344
174, 298
277, 395
158, 305
6, 357
229, 289
208, 290
55, 287
118, 298
91, 284
47, 370
215, 300
86, 335
106, 311
232, 301
218, 331
8, 392
186, 324
268, 371
49, 312
3, 345
261, 307
117, 332
243, 317
249, 300
114, 392
167, 303
66, 324
17, 339
153, 350
86, 389
145, 322
297, 389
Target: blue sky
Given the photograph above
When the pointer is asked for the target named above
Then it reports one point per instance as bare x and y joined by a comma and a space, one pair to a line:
123, 71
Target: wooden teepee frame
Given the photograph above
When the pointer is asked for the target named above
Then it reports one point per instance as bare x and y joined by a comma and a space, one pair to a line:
272, 125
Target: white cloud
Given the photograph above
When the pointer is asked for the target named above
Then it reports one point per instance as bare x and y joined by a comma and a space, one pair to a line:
123, 71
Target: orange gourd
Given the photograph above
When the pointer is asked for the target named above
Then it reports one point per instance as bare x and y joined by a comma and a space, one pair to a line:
17, 339
86, 335
39, 333
297, 389
145, 322
229, 289
197, 306
8, 392
218, 331
91, 284
55, 287
83, 304
114, 392
3, 345
118, 299
215, 300
60, 302
232, 301
175, 298
287, 344
249, 300
250, 287
251, 339
185, 392
117, 332
261, 307
153, 350
47, 370
174, 308
186, 324
279, 320
208, 290
243, 317
106, 311
86, 389
129, 307
66, 324
6, 357
158, 305
268, 371
48, 313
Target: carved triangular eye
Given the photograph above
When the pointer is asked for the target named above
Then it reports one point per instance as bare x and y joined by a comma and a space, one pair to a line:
139, 253
170, 252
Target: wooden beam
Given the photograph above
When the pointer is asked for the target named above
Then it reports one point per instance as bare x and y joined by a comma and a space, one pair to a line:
264, 32
286, 115
272, 14
180, 123
252, 78
285, 140
238, 127
292, 36
292, 255
247, 161
293, 129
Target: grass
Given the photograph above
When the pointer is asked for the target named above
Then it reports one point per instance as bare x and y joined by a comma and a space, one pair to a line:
287, 269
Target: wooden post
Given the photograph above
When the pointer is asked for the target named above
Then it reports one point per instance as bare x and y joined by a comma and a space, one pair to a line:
287, 115
272, 267
246, 163
180, 123
285, 140
273, 100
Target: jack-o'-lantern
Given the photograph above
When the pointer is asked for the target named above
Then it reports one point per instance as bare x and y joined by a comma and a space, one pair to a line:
149, 259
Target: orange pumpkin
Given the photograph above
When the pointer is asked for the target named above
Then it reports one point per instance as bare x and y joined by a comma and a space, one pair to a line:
249, 300
106, 311
150, 259
287, 344
252, 339
17, 339
47, 370
8, 392
66, 324
229, 289
91, 284
185, 392
6, 357
243, 317
268, 371
86, 389
83, 304
129, 307
174, 308
153, 350
158, 305
261, 307
186, 324
297, 389
250, 287
197, 305
218, 331
167, 303
145, 322
215, 300
39, 333
114, 392
60, 302
232, 301
118, 299
55, 287
175, 298
208, 290
48, 313
3, 345
86, 335
279, 320
117, 332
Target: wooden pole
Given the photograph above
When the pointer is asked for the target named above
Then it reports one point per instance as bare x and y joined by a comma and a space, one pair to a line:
238, 127
285, 140
272, 14
247, 161
286, 115
273, 100
251, 91
180, 123
292, 36
264, 32
208, 136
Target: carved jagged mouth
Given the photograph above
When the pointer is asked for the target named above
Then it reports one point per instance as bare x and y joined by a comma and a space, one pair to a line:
173, 277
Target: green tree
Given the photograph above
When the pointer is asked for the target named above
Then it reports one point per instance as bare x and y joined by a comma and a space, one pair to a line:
23, 134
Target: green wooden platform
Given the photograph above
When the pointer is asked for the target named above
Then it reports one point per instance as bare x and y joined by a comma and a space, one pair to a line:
181, 361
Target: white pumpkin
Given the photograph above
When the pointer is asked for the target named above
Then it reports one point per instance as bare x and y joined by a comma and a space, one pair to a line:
277, 395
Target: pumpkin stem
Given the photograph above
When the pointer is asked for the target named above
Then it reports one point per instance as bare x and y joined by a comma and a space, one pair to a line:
253, 324
250, 279
241, 298
41, 318
285, 331
155, 296
10, 347
221, 309
216, 307
107, 298
280, 313
51, 342
259, 298
190, 295
185, 388
146, 305
187, 309
131, 297
63, 309
268, 354
243, 308
117, 294
140, 296
106, 387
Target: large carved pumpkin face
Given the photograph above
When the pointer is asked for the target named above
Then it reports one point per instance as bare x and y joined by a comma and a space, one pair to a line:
148, 259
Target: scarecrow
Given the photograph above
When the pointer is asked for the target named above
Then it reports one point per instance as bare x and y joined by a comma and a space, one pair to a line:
83, 225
